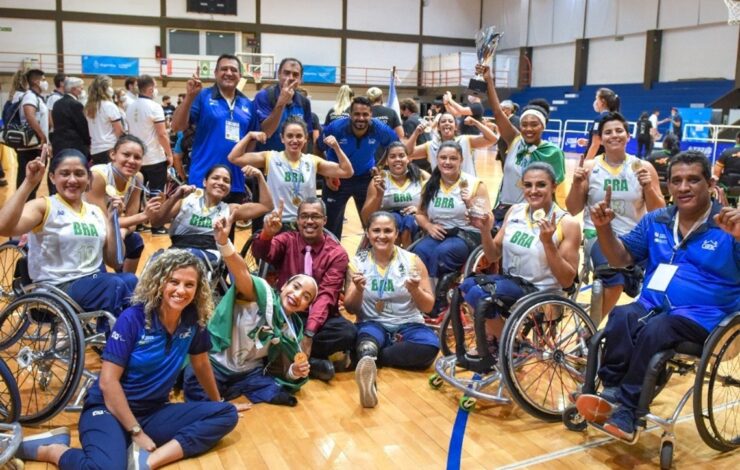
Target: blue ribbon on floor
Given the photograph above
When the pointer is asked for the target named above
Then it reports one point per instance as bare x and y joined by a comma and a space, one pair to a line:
454, 455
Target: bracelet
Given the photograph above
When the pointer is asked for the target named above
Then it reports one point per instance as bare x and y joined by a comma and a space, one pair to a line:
227, 249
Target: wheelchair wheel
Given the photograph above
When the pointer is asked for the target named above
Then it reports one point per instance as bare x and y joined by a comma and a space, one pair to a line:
447, 332
478, 264
253, 264
10, 254
44, 349
544, 353
666, 455
717, 388
10, 399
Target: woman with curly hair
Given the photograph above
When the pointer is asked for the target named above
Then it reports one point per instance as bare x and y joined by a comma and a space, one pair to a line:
104, 119
128, 407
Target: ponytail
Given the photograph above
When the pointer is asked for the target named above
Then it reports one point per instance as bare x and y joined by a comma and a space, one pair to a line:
431, 188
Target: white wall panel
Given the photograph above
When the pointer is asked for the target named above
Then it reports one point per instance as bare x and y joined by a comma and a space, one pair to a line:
384, 16
553, 65
245, 11
450, 18
601, 18
33, 5
28, 36
611, 61
128, 7
711, 11
308, 49
694, 53
363, 58
428, 50
540, 30
568, 18
678, 14
509, 16
314, 13
637, 16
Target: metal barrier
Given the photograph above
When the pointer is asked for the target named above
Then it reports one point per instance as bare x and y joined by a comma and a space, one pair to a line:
711, 146
557, 139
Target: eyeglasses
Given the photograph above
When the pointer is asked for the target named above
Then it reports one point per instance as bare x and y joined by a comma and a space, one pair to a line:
311, 217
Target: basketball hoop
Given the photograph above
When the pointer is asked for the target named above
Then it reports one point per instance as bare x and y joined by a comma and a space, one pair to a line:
733, 7
257, 76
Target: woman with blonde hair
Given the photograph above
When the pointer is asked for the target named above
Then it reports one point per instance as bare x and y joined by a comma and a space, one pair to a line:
341, 105
128, 407
103, 119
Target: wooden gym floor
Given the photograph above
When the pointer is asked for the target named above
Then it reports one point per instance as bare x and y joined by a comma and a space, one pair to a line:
412, 423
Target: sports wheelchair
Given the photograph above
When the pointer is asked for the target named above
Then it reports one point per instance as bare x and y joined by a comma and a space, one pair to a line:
716, 389
11, 433
43, 337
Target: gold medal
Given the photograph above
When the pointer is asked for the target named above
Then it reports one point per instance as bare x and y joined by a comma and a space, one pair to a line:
198, 192
463, 184
296, 200
379, 306
111, 190
636, 166
538, 215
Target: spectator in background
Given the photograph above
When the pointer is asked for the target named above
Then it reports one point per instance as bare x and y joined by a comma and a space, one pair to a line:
36, 114
660, 159
131, 92
18, 87
411, 120
222, 116
147, 122
315, 124
180, 98
644, 136
341, 105
676, 124
55, 96
167, 107
509, 108
727, 169
654, 131
384, 114
104, 120
119, 98
606, 102
71, 129
474, 109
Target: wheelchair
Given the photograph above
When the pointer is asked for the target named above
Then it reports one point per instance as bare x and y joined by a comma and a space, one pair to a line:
715, 391
218, 275
542, 354
11, 433
43, 337
10, 280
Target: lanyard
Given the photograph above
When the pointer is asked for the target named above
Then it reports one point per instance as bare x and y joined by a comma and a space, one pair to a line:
678, 244
231, 105
381, 286
296, 176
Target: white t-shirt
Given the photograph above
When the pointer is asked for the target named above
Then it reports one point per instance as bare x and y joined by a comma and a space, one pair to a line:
102, 137
654, 121
53, 98
142, 114
42, 112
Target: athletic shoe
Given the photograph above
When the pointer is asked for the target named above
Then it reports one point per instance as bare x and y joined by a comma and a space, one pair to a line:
159, 231
593, 408
365, 376
610, 394
29, 448
321, 369
621, 424
137, 458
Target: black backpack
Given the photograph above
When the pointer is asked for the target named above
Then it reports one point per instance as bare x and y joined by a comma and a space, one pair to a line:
14, 133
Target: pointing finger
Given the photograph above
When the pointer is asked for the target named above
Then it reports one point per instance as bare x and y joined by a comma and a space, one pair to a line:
281, 206
608, 197
581, 160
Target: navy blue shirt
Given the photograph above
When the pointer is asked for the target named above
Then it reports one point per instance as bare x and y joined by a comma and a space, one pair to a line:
706, 286
360, 150
152, 358
209, 113
263, 107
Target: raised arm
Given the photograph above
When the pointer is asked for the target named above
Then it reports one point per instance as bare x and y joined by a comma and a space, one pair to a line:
271, 123
343, 169
171, 206
374, 198
508, 131
613, 249
650, 182
486, 138
251, 210
181, 116
240, 156
563, 259
18, 216
235, 263
578, 194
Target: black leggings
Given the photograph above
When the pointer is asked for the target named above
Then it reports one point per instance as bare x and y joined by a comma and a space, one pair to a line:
404, 354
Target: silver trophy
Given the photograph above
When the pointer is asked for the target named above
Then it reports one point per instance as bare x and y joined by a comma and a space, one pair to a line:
486, 41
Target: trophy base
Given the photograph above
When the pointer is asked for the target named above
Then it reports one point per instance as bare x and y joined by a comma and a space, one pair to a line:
477, 87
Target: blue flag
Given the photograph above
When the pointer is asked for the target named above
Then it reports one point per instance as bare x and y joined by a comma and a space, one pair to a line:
392, 96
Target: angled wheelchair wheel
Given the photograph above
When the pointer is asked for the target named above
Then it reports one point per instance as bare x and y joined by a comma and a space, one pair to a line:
457, 323
717, 388
43, 346
253, 264
477, 263
10, 399
10, 278
544, 353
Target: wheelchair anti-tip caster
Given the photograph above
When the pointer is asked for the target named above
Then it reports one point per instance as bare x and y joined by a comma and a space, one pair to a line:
467, 403
666, 455
435, 381
573, 420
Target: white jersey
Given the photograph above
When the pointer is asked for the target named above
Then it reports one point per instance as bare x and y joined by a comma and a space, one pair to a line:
447, 207
386, 299
397, 197
468, 162
244, 354
523, 253
291, 181
195, 218
106, 171
143, 114
511, 192
627, 201
68, 244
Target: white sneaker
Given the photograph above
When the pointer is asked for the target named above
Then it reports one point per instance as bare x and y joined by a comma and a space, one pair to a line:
365, 376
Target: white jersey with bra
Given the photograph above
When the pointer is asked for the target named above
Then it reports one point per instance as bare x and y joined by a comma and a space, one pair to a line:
397, 197
523, 252
291, 181
107, 171
447, 207
67, 244
511, 192
628, 203
195, 217
244, 354
468, 161
385, 288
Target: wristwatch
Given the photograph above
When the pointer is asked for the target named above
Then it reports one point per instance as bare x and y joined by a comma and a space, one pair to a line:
308, 333
135, 430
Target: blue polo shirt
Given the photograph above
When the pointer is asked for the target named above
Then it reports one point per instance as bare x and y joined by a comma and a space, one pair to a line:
209, 114
359, 150
263, 107
151, 359
706, 286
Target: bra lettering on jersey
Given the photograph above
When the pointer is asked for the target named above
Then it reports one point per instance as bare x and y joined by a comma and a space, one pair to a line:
201, 221
522, 239
379, 284
402, 197
616, 184
444, 202
86, 230
293, 177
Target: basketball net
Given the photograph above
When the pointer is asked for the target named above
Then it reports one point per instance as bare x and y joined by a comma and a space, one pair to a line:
733, 7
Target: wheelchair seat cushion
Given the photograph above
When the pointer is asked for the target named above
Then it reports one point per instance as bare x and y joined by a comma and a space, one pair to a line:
689, 348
